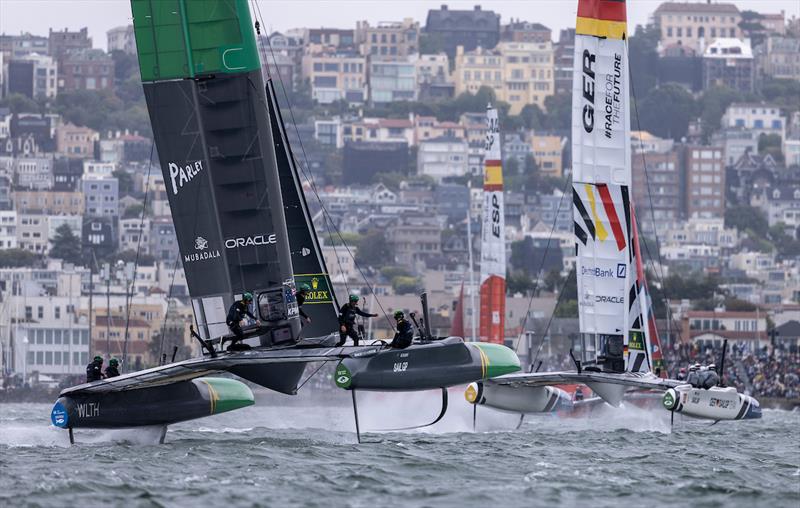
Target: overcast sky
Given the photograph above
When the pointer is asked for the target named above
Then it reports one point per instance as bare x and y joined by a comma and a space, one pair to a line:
36, 16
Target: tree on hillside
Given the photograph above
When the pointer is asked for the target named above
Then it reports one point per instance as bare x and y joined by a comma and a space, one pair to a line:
643, 57
19, 103
771, 144
66, 246
16, 258
713, 104
666, 111
559, 112
125, 180
373, 250
745, 218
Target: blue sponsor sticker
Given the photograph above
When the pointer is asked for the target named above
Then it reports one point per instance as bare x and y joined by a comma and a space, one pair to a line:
621, 269
59, 416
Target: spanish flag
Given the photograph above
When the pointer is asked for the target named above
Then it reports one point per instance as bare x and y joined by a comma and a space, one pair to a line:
602, 18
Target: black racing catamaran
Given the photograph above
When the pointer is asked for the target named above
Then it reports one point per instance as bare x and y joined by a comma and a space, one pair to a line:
620, 349
242, 224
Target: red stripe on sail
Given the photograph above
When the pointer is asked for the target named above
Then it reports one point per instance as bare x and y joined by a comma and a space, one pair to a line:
609, 10
608, 205
493, 300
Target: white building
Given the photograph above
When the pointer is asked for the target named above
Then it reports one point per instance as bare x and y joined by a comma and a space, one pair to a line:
443, 157
45, 75
8, 229
32, 233
393, 80
134, 233
122, 39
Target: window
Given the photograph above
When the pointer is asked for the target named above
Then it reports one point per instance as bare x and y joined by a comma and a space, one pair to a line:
48, 358
57, 312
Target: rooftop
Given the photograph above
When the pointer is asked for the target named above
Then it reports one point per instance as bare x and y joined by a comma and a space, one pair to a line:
729, 48
683, 7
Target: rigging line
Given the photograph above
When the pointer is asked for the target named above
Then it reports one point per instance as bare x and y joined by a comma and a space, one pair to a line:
322, 364
308, 177
541, 266
138, 250
550, 321
314, 187
660, 276
166, 314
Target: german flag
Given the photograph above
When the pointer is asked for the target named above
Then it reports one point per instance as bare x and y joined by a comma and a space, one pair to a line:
602, 18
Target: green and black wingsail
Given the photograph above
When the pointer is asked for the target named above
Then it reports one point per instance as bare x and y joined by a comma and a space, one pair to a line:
206, 98
307, 260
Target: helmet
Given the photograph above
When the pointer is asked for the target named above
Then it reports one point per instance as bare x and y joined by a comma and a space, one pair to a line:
248, 297
305, 288
113, 362
353, 298
98, 358
398, 314
711, 366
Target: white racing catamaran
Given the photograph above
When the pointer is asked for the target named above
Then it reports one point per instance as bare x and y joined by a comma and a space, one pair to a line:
620, 348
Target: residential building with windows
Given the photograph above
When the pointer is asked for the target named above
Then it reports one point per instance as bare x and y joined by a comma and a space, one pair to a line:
35, 173
53, 350
33, 76
696, 25
759, 118
471, 29
134, 235
548, 154
525, 31
711, 328
76, 141
705, 182
101, 195
163, 241
392, 80
86, 69
658, 182
388, 39
20, 46
48, 202
779, 57
324, 39
336, 76
8, 229
730, 63
121, 38
32, 233
563, 57
442, 157
477, 68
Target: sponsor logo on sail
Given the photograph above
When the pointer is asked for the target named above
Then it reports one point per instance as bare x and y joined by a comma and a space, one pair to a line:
608, 299
613, 102
622, 269
320, 290
605, 273
181, 175
305, 251
203, 252
588, 90
251, 241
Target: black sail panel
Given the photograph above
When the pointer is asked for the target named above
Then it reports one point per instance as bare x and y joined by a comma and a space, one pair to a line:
307, 260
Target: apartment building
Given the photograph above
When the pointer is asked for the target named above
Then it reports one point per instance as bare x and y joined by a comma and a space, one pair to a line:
86, 69
705, 182
393, 80
388, 39
442, 157
76, 141
48, 202
779, 57
729, 62
696, 25
121, 38
336, 76
547, 152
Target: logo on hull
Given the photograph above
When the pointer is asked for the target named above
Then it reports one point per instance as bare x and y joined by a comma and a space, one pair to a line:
250, 241
181, 175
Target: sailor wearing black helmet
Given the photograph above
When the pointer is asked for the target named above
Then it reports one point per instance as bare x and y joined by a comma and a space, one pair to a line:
404, 334
302, 294
347, 320
113, 368
237, 313
94, 371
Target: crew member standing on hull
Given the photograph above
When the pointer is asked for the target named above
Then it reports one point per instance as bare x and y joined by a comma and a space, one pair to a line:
404, 334
94, 371
113, 368
301, 299
236, 314
347, 320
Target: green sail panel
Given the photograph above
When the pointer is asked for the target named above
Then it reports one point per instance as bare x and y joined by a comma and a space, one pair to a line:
187, 38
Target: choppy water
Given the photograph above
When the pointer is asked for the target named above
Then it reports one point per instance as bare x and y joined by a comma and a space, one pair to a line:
280, 454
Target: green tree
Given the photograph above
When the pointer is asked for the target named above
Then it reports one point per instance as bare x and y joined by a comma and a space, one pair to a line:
19, 103
16, 258
566, 309
745, 218
713, 104
404, 285
373, 250
559, 111
785, 93
125, 180
66, 245
532, 117
643, 57
133, 211
666, 111
518, 281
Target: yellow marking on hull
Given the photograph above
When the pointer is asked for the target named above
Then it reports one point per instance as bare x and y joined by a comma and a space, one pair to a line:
602, 234
213, 397
484, 362
601, 28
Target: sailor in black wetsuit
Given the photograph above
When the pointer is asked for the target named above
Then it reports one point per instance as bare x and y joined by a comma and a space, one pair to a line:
113, 368
236, 314
347, 320
404, 334
94, 371
301, 299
